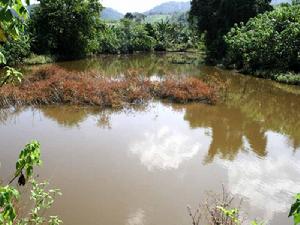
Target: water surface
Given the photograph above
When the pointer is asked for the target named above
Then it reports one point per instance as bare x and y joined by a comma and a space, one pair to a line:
144, 165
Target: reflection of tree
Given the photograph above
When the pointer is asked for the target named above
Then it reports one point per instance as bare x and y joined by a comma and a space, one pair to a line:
252, 108
68, 116
71, 116
144, 64
9, 114
275, 108
229, 127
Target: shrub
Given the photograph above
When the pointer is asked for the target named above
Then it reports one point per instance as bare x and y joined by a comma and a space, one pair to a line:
270, 41
288, 78
215, 18
127, 36
16, 51
34, 59
109, 41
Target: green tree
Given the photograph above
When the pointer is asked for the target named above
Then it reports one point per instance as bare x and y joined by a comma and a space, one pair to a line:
9, 26
66, 28
216, 17
269, 43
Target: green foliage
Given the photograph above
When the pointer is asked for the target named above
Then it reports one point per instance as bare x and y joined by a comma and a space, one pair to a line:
28, 158
2, 58
109, 40
288, 78
130, 36
257, 223
133, 37
9, 23
34, 59
232, 214
216, 17
67, 28
125, 37
15, 51
42, 198
11, 76
8, 196
295, 210
268, 42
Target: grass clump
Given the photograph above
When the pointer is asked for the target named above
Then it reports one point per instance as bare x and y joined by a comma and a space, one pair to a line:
34, 59
54, 85
288, 78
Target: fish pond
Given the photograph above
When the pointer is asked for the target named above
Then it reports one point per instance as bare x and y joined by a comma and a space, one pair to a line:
142, 165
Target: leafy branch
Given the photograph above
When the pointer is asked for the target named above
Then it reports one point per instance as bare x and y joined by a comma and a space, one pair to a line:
42, 198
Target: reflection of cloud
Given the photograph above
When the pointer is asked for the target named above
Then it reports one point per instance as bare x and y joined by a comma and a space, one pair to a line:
137, 218
165, 149
266, 184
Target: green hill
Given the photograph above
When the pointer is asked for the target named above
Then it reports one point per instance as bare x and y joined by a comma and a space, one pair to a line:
111, 14
170, 8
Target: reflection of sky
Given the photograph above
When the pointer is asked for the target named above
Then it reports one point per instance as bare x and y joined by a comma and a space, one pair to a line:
266, 184
165, 149
136, 218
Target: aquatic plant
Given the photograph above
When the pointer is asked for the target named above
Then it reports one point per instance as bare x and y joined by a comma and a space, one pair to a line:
219, 209
54, 85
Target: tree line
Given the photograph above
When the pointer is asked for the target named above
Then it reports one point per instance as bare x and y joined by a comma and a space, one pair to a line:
69, 29
251, 36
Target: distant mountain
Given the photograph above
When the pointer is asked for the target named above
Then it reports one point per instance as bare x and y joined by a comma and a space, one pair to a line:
170, 8
111, 14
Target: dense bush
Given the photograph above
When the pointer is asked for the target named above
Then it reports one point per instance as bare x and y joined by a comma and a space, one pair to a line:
17, 50
67, 28
268, 42
216, 17
129, 36
109, 41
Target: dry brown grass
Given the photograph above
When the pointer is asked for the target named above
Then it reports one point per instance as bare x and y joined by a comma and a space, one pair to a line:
54, 85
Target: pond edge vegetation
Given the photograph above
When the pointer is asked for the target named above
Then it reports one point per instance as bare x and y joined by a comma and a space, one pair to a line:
54, 85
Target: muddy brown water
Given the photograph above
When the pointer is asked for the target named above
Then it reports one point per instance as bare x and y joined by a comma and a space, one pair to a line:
144, 165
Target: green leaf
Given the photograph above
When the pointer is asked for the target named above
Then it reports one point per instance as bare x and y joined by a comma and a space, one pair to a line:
2, 59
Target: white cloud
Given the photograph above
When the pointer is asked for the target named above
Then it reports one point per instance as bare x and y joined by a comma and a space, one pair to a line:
165, 149
137, 218
266, 184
